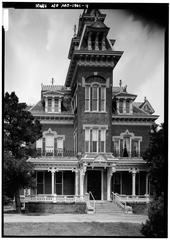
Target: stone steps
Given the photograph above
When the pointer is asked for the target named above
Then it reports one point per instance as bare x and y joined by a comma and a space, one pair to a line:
107, 207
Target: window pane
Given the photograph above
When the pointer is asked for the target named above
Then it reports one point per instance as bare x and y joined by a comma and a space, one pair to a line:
102, 146
87, 105
103, 135
39, 177
60, 143
120, 106
127, 107
87, 134
94, 135
39, 188
103, 92
94, 105
87, 146
87, 95
49, 104
102, 108
56, 105
59, 188
94, 146
58, 177
87, 98
94, 98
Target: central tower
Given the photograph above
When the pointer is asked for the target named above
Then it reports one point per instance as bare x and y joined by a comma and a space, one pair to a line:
90, 79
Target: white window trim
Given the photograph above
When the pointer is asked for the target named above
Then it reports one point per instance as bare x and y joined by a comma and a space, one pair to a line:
99, 85
97, 127
131, 136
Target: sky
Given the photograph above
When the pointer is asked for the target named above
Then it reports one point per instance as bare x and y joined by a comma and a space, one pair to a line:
37, 44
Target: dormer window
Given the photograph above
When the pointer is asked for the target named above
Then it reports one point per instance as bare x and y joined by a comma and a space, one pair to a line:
52, 104
124, 106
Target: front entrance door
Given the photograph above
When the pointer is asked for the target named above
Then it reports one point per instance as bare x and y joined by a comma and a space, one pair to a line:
94, 183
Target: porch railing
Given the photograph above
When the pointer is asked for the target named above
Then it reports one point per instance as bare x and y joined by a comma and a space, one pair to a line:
116, 198
130, 198
54, 153
54, 198
127, 154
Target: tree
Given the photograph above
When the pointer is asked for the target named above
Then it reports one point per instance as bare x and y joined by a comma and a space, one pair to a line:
21, 130
156, 226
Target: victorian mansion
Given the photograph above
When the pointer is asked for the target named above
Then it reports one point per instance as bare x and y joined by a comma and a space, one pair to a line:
94, 133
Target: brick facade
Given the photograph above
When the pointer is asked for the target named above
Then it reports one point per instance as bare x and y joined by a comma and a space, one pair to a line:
91, 62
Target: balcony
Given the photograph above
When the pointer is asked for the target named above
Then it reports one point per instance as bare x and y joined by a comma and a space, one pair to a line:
127, 154
54, 153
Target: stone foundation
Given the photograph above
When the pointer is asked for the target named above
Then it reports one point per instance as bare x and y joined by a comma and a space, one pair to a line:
44, 207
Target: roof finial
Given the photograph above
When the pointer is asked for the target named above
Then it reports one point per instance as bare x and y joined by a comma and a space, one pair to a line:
145, 99
52, 81
120, 83
75, 28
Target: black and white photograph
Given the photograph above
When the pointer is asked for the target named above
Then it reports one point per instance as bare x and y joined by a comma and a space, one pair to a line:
84, 124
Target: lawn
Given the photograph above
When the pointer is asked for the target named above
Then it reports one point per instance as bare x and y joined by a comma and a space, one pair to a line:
72, 229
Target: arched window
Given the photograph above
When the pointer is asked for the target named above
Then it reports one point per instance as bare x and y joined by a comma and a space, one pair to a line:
95, 95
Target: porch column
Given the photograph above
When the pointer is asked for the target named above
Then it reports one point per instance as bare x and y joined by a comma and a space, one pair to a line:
76, 182
52, 170
110, 171
82, 173
81, 182
147, 184
134, 171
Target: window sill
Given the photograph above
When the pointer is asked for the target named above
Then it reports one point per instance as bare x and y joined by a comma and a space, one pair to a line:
95, 112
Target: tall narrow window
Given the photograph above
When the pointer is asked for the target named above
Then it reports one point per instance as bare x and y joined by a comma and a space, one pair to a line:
60, 146
95, 98
59, 181
87, 98
102, 140
121, 106
56, 105
49, 105
116, 148
127, 106
126, 147
40, 182
49, 144
94, 140
87, 140
102, 98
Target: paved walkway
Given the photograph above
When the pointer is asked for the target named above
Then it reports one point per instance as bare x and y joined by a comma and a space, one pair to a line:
9, 218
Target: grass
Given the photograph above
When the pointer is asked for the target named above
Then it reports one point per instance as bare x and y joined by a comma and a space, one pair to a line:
72, 229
